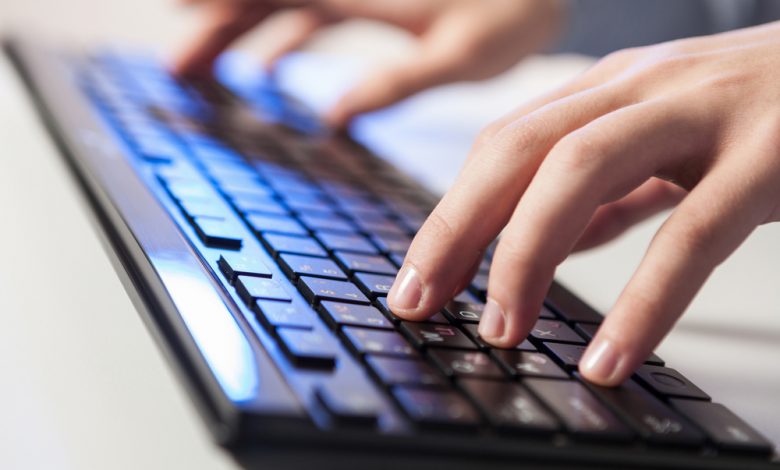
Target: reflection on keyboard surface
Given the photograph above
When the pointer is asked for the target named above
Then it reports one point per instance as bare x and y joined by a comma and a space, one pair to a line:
334, 224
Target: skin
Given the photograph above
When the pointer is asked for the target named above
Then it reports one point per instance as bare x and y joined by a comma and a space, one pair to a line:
691, 124
457, 40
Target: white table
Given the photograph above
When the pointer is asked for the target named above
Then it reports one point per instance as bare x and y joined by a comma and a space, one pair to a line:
84, 386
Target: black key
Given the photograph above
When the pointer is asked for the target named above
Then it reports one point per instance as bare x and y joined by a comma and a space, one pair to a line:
466, 364
570, 306
380, 226
326, 222
260, 288
509, 406
582, 414
436, 408
462, 312
653, 420
283, 314
438, 336
346, 242
302, 203
669, 383
374, 285
349, 405
309, 348
725, 429
394, 371
217, 233
529, 364
277, 244
337, 314
553, 330
381, 303
473, 330
381, 342
569, 355
297, 265
233, 265
262, 223
376, 264
392, 244
547, 314
466, 297
316, 289
588, 331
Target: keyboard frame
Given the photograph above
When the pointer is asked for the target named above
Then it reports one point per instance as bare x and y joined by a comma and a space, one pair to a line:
152, 258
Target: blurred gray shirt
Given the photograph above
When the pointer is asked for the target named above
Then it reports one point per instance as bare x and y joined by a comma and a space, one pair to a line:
597, 27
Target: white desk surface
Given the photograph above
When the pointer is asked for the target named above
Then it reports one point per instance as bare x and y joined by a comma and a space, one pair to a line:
83, 385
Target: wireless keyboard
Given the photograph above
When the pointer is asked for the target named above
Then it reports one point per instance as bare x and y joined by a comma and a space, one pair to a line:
261, 248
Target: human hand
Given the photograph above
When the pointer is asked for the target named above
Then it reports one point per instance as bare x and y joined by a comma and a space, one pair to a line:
693, 123
458, 39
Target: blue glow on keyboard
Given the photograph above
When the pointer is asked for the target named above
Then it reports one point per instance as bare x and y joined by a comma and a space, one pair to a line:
220, 339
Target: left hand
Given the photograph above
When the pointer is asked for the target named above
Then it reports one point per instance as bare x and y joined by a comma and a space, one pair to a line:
694, 122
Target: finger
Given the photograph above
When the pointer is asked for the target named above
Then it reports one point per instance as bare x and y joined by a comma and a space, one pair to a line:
703, 231
298, 26
480, 202
611, 220
598, 163
225, 22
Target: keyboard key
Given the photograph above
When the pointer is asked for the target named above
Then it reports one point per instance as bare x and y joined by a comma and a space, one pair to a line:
436, 408
570, 307
653, 420
509, 406
326, 222
380, 226
349, 405
462, 312
309, 348
354, 262
262, 223
217, 233
282, 314
392, 244
262, 205
337, 314
194, 208
438, 336
297, 265
278, 244
381, 342
588, 331
669, 383
233, 265
582, 414
528, 364
568, 355
346, 242
725, 429
553, 330
466, 364
473, 330
381, 303
393, 371
253, 288
316, 290
374, 285
480, 283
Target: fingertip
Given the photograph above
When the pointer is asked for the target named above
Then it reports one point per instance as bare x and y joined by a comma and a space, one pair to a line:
604, 363
405, 295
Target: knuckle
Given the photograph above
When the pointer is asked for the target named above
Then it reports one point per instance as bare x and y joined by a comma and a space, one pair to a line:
577, 152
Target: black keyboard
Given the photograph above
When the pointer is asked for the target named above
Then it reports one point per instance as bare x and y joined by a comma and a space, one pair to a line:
302, 232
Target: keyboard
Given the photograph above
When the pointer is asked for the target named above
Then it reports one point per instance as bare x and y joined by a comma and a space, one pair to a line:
263, 246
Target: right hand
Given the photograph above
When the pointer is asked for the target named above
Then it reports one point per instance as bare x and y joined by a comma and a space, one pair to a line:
458, 39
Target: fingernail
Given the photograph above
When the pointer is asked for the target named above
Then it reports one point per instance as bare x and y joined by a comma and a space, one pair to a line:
600, 361
492, 324
407, 290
